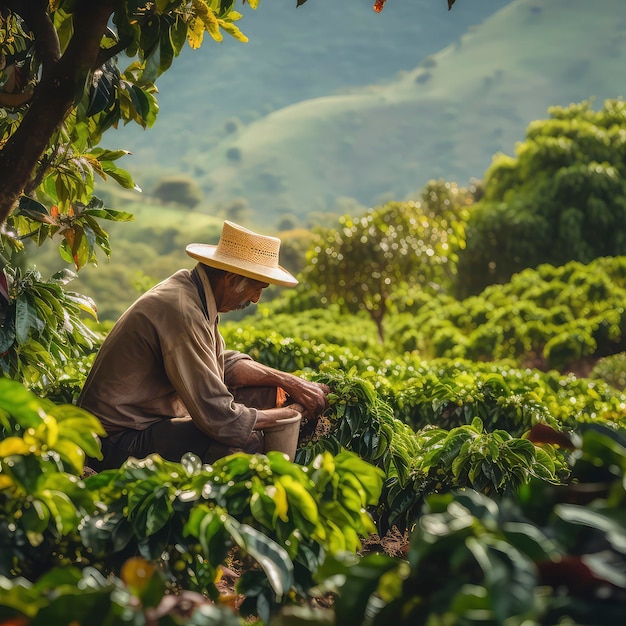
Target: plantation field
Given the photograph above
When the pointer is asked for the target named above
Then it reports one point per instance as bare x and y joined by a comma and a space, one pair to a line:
450, 465
444, 450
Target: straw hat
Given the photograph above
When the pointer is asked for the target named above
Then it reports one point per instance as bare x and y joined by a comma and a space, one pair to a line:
243, 252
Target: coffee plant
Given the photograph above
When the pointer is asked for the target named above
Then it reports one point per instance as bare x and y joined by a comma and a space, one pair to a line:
44, 341
544, 554
386, 410
549, 316
282, 517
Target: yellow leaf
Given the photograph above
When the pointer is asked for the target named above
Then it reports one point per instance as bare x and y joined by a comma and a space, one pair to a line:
335, 538
300, 498
51, 430
195, 33
211, 23
278, 496
205, 15
72, 453
13, 445
231, 29
5, 481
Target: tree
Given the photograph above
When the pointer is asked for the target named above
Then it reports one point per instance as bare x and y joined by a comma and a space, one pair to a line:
362, 262
82, 92
179, 189
561, 198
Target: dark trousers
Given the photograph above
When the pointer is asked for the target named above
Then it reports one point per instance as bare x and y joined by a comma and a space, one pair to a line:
171, 438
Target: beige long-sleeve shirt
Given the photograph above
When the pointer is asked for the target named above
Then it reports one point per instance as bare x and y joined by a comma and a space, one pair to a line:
165, 358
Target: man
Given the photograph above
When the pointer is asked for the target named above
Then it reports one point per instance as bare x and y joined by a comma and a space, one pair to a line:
163, 382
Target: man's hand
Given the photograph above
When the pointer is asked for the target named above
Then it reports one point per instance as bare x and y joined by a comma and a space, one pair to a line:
311, 397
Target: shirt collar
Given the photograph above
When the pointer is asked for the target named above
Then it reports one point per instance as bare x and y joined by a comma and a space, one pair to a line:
208, 294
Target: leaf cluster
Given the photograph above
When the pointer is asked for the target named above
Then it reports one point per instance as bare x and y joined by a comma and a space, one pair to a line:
540, 555
43, 339
550, 316
412, 418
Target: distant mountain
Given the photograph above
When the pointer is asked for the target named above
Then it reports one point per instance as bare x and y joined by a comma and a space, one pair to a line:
322, 48
331, 101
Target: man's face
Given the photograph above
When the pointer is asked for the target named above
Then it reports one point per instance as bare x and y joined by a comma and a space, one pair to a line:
240, 292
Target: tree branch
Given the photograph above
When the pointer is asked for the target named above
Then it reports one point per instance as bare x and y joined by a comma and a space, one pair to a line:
108, 53
53, 97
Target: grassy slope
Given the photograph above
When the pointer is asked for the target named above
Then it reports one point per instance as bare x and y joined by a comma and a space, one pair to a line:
388, 140
321, 48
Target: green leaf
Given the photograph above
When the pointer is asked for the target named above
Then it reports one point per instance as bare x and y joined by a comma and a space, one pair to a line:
34, 210
7, 336
145, 105
361, 581
510, 576
26, 471
108, 155
272, 557
22, 404
63, 511
262, 506
27, 321
369, 477
167, 51
207, 525
613, 529
530, 540
178, 35
153, 513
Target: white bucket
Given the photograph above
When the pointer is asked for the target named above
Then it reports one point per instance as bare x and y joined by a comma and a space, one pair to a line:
283, 435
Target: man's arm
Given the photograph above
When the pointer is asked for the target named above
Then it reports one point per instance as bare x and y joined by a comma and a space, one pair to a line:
309, 395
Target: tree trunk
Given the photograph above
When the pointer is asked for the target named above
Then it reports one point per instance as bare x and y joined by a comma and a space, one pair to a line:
377, 316
54, 96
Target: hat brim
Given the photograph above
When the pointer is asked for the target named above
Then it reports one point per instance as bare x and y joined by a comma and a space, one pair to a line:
207, 254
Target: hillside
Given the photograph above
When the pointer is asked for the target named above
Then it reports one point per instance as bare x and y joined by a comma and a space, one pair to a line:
319, 49
446, 117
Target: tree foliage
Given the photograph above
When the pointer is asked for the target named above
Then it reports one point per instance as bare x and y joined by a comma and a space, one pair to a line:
364, 260
561, 198
62, 86
43, 340
180, 189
